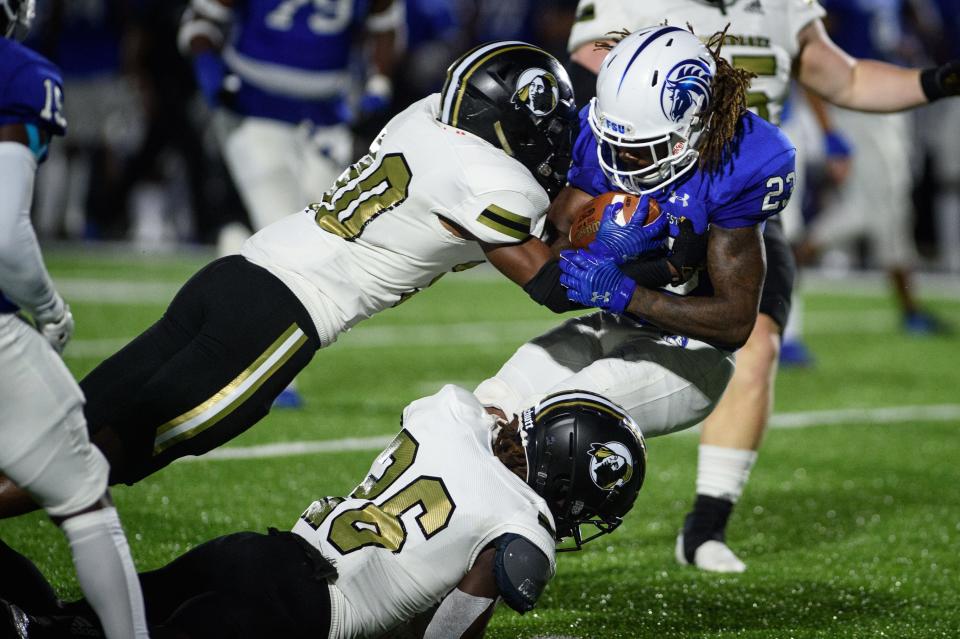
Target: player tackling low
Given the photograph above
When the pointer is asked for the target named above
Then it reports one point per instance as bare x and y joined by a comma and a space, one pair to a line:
460, 509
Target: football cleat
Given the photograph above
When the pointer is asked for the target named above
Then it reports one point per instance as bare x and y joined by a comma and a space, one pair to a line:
921, 323
795, 354
712, 556
289, 397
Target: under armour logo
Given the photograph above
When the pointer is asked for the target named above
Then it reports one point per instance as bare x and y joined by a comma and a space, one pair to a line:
674, 198
600, 297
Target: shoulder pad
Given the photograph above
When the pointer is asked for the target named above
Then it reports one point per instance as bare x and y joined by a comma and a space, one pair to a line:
521, 571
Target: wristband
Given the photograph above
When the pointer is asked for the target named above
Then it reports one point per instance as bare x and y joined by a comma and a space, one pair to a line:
941, 82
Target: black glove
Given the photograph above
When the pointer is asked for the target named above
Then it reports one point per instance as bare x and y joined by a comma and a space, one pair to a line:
688, 255
941, 82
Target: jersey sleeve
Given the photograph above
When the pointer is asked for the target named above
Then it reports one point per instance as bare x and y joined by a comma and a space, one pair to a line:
766, 193
499, 217
34, 95
798, 14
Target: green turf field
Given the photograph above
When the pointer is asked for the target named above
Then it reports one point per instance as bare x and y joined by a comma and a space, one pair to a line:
850, 529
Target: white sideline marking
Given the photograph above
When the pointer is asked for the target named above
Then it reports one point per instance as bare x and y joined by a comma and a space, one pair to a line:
889, 415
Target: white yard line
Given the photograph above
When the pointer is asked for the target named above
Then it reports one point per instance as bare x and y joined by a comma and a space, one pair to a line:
500, 332
889, 415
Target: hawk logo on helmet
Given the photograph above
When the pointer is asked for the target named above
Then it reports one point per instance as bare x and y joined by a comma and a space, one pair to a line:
537, 89
686, 86
611, 465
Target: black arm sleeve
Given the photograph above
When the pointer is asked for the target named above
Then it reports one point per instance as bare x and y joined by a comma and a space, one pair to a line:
648, 273
545, 289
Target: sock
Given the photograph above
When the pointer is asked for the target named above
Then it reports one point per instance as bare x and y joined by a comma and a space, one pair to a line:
721, 475
723, 472
106, 573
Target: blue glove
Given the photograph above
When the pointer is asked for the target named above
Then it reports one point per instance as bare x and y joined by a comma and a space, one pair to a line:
377, 94
595, 281
836, 145
622, 243
209, 69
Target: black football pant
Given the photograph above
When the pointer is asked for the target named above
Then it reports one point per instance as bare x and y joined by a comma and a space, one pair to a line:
232, 338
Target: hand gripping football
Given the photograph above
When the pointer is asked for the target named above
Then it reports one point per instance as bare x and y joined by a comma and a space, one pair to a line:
585, 226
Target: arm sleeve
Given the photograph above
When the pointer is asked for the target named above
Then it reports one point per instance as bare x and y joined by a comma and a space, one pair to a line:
23, 276
456, 613
799, 13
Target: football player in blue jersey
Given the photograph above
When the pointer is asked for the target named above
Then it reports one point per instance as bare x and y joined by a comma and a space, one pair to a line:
789, 36
44, 446
669, 122
279, 74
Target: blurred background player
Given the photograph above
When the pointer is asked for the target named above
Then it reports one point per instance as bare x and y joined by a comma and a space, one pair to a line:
771, 38
493, 498
43, 438
875, 202
279, 72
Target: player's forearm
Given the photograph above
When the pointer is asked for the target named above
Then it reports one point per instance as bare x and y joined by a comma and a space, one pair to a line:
874, 86
708, 319
863, 85
23, 276
385, 18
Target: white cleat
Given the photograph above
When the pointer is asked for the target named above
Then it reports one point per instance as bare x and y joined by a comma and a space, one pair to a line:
712, 556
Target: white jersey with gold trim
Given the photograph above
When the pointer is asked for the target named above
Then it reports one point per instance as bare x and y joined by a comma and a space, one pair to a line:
433, 500
762, 37
375, 237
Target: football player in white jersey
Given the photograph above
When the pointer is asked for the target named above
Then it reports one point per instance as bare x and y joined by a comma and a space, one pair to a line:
770, 38
460, 510
44, 445
455, 179
277, 74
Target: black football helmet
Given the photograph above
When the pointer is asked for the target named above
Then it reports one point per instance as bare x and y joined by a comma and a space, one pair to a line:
518, 98
16, 16
586, 458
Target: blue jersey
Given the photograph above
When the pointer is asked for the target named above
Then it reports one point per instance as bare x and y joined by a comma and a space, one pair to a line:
866, 28
31, 91
293, 58
755, 184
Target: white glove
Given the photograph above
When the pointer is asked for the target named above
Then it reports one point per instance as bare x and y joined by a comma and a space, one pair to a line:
56, 325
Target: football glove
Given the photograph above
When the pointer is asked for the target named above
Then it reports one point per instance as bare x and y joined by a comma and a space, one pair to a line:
595, 281
56, 325
621, 243
941, 82
836, 145
377, 94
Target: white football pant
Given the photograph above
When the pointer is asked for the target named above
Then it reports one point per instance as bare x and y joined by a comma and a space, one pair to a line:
44, 447
279, 168
874, 202
665, 382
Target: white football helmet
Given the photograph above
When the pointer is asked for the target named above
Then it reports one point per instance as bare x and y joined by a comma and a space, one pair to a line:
652, 91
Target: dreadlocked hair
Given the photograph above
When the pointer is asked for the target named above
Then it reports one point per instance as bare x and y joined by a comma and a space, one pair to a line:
509, 450
722, 117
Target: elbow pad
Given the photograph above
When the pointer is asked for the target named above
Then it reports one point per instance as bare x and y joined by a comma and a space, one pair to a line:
521, 571
545, 289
